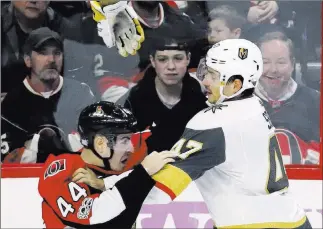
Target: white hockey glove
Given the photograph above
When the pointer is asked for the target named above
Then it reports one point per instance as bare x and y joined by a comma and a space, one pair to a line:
119, 26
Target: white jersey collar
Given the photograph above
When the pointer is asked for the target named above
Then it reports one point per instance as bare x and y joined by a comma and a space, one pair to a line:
29, 88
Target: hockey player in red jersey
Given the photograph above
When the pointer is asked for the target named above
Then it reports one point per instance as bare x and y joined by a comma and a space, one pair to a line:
74, 196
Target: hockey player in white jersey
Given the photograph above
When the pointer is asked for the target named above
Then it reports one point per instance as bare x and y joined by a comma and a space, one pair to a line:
230, 149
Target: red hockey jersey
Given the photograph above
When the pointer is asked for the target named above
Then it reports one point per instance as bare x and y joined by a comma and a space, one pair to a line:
66, 203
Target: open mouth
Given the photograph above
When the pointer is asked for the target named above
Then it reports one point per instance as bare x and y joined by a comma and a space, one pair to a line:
171, 75
273, 79
32, 8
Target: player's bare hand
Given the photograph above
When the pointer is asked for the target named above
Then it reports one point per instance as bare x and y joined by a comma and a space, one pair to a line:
156, 161
88, 177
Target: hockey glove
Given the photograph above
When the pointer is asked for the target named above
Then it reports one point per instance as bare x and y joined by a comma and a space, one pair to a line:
118, 25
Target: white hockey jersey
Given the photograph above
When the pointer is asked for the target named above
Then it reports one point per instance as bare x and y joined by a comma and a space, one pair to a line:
232, 154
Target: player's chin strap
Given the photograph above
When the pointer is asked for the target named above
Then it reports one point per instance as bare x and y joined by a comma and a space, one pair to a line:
105, 160
224, 97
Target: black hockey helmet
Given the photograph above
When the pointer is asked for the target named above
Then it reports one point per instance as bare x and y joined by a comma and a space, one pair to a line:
105, 118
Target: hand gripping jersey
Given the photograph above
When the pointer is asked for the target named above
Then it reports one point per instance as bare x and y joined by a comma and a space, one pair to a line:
66, 203
231, 152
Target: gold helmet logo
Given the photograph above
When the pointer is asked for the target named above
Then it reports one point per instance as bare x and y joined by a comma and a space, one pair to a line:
243, 53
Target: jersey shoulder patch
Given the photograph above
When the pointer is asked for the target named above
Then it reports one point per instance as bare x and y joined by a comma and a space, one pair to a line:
55, 167
62, 166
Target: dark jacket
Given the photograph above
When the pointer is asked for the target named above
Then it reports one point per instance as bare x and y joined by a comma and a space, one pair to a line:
299, 114
166, 125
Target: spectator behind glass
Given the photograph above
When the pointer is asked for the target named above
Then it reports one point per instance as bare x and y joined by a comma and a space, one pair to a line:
167, 97
43, 103
224, 23
292, 107
19, 18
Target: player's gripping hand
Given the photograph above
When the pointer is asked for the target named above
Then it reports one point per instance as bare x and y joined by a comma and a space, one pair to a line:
119, 26
88, 177
156, 161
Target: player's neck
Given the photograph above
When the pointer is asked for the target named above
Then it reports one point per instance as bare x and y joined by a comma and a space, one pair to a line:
168, 91
90, 158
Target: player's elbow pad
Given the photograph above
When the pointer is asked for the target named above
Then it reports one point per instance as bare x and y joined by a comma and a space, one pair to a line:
107, 206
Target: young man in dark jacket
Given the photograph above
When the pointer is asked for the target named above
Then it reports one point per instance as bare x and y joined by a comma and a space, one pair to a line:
167, 97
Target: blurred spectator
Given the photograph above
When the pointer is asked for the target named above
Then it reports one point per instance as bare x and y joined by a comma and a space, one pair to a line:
257, 31
305, 31
290, 106
44, 100
224, 23
243, 7
18, 19
167, 97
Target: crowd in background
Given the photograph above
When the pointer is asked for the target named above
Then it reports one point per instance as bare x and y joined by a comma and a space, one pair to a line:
162, 88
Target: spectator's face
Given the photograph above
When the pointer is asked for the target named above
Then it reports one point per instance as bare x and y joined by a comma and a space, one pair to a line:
123, 148
46, 64
219, 31
170, 65
31, 9
278, 66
